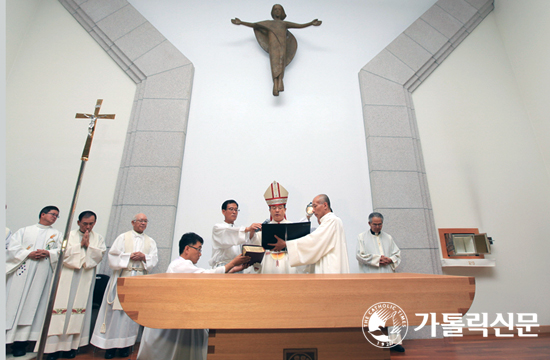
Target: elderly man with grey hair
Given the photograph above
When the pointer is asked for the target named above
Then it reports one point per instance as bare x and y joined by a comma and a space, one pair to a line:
132, 254
378, 253
376, 250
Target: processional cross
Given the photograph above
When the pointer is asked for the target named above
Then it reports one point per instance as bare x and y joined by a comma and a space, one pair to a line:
55, 283
91, 128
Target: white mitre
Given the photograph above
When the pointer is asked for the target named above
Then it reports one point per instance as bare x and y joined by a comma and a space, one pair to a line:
276, 194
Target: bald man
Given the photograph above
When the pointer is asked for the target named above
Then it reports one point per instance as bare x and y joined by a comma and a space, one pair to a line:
325, 248
132, 254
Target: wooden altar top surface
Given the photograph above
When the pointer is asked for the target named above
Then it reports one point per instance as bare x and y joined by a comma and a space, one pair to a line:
286, 301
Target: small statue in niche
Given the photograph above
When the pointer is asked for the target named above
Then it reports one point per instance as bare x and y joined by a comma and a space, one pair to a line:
274, 37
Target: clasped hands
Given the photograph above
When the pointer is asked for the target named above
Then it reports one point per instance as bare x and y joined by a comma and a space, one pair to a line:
137, 256
39, 254
384, 260
85, 239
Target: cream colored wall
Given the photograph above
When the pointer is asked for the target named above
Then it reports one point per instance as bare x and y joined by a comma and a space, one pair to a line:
524, 29
21, 14
57, 71
482, 128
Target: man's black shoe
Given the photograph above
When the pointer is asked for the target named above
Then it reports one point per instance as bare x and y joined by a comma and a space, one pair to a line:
398, 348
54, 356
110, 353
19, 352
69, 354
124, 352
19, 348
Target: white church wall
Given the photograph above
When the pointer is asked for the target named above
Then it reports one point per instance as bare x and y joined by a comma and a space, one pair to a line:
60, 70
22, 14
310, 138
484, 165
518, 21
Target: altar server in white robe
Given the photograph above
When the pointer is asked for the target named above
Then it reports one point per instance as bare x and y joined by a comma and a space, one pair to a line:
228, 238
325, 248
70, 323
277, 262
31, 259
132, 254
378, 253
376, 250
188, 344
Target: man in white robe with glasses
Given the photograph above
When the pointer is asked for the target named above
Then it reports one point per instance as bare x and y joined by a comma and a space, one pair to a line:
31, 259
228, 238
277, 262
189, 344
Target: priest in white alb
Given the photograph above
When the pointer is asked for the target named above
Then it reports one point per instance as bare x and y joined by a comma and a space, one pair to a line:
132, 254
228, 238
188, 344
378, 253
31, 259
325, 248
376, 250
72, 314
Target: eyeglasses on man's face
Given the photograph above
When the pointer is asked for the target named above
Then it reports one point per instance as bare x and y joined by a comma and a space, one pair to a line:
199, 249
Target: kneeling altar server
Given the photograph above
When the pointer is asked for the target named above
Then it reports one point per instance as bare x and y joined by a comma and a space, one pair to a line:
189, 344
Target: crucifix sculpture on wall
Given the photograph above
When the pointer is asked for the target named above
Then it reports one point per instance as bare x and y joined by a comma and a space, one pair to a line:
274, 37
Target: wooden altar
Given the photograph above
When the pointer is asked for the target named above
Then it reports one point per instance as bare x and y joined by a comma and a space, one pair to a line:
258, 316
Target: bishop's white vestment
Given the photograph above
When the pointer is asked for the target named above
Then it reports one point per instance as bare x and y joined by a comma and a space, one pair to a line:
28, 281
371, 247
175, 344
277, 262
226, 243
72, 315
114, 329
325, 247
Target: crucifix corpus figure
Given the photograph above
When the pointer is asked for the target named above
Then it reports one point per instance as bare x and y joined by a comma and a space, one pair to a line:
274, 37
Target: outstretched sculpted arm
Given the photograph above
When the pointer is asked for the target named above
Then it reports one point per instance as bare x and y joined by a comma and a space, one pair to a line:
238, 21
291, 25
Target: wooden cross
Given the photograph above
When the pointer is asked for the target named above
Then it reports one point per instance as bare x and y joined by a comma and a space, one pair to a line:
91, 128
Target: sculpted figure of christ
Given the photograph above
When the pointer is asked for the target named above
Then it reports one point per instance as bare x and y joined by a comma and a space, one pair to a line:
274, 37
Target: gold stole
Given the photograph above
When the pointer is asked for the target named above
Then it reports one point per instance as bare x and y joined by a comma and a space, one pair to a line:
132, 265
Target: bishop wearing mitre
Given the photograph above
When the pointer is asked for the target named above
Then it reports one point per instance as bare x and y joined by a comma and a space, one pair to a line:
276, 262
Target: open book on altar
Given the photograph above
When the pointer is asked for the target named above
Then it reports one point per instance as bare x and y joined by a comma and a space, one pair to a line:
288, 231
